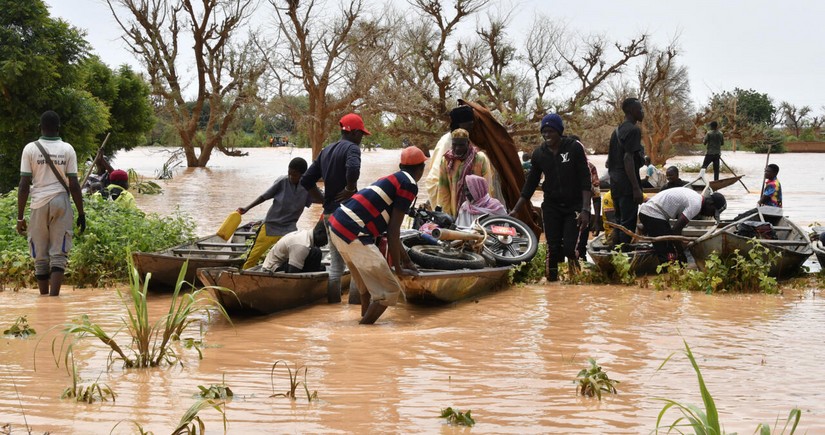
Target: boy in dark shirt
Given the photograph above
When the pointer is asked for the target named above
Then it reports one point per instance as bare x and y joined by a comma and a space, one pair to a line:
624, 158
566, 206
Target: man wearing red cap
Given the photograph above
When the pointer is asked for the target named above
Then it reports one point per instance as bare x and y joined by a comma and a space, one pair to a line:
339, 165
118, 190
373, 211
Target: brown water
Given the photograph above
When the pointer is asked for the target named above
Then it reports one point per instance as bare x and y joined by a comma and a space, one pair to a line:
511, 356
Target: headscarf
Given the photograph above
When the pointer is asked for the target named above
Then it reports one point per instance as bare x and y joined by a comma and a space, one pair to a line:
482, 202
468, 158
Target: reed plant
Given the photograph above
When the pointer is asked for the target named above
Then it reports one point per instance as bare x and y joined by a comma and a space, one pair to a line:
706, 421
294, 382
456, 417
593, 381
20, 329
91, 393
191, 423
150, 343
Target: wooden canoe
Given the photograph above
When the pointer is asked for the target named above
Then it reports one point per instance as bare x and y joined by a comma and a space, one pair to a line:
699, 186
432, 287
210, 251
257, 293
643, 260
792, 244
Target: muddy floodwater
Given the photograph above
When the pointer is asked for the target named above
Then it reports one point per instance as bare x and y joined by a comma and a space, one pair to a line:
510, 356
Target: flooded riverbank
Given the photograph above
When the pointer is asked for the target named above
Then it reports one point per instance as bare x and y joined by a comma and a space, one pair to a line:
510, 356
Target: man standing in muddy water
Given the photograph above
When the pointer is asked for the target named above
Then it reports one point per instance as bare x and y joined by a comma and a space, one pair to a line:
45, 167
372, 212
714, 141
339, 165
624, 158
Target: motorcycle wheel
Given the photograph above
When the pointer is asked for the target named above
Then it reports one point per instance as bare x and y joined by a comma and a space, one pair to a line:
436, 257
509, 250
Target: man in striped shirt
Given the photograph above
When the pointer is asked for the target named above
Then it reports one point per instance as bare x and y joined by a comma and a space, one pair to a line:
370, 213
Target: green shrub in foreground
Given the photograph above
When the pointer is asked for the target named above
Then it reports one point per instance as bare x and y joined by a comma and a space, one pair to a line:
97, 256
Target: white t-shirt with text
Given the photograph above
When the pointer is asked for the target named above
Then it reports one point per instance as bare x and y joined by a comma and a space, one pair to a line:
45, 185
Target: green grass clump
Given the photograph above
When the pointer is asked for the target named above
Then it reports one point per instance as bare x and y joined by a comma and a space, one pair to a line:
592, 381
91, 393
294, 382
706, 421
216, 391
150, 343
20, 328
532, 272
457, 417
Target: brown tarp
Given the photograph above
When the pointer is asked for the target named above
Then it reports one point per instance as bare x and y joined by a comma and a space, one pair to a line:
492, 138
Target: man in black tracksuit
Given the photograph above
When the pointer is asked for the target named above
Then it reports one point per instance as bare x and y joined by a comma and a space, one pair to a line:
566, 206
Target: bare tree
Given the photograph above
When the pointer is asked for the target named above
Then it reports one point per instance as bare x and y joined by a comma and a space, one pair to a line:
543, 59
588, 61
336, 57
665, 92
796, 118
225, 73
487, 64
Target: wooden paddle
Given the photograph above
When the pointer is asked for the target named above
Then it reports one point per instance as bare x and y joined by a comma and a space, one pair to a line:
734, 173
97, 156
639, 237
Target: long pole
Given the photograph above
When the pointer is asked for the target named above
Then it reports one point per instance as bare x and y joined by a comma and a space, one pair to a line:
734, 174
764, 180
97, 156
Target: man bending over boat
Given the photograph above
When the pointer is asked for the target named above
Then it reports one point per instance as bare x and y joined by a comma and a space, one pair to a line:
298, 251
380, 208
681, 204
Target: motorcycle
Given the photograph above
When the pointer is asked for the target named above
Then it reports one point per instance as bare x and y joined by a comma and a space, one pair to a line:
492, 240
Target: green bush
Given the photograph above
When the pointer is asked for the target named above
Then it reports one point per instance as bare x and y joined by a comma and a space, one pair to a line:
737, 273
97, 255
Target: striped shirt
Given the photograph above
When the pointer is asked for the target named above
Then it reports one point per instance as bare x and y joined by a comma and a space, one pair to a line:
366, 215
673, 202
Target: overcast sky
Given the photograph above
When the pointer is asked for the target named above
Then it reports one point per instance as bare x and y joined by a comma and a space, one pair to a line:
769, 46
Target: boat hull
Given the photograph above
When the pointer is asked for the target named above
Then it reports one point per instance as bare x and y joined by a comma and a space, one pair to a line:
819, 250
441, 286
211, 251
259, 293
642, 261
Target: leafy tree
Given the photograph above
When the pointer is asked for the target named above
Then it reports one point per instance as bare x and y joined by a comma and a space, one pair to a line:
757, 107
40, 60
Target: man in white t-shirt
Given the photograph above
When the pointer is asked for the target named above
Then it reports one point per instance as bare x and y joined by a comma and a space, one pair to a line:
298, 251
681, 204
50, 232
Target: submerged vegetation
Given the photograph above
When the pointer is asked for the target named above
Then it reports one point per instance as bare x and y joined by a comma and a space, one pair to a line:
216, 391
91, 393
592, 381
97, 255
20, 328
294, 382
738, 273
150, 343
456, 417
706, 421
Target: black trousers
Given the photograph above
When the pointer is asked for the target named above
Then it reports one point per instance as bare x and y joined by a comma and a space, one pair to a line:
626, 210
712, 158
561, 232
665, 251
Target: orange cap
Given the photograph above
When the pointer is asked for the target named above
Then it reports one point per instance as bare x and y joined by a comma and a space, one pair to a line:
412, 156
352, 122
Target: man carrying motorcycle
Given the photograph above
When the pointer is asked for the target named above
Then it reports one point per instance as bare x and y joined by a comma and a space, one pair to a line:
371, 212
567, 192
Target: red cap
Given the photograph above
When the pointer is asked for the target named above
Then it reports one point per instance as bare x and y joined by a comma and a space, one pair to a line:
118, 175
352, 122
412, 156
